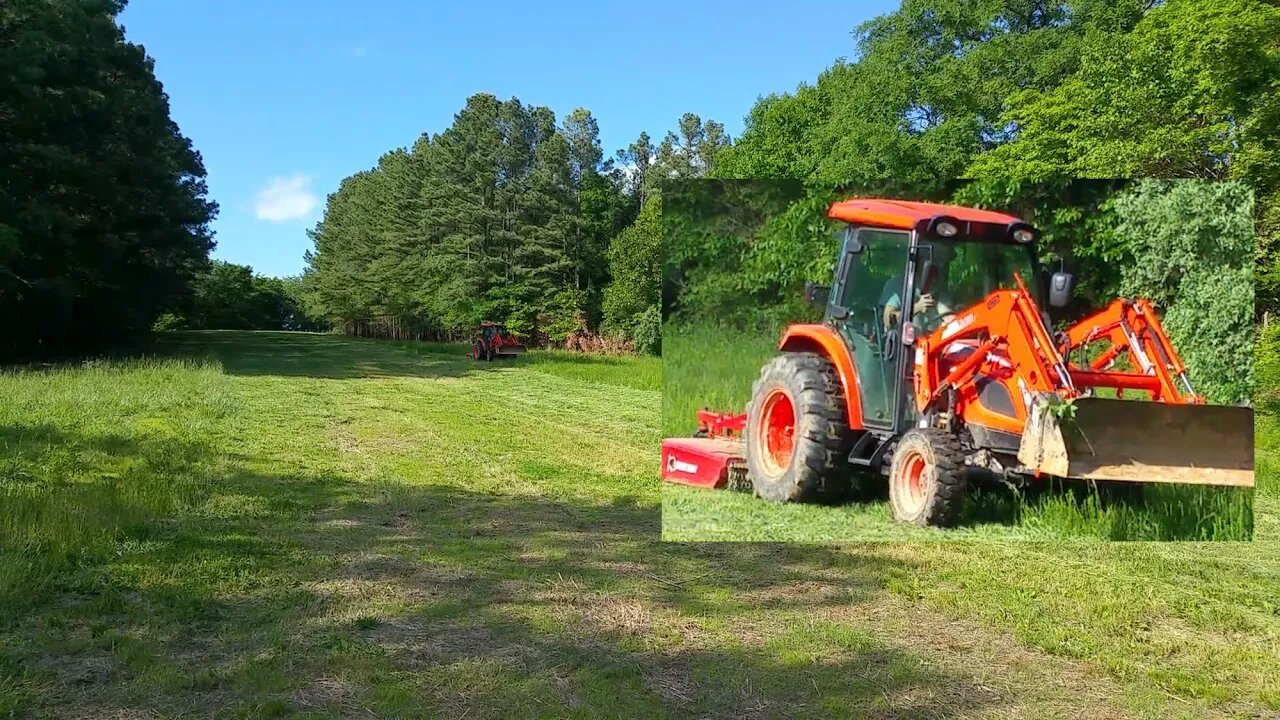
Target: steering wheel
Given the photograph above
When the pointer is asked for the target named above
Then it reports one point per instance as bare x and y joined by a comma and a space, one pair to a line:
927, 324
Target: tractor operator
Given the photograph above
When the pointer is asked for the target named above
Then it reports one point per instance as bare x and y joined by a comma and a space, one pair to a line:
929, 310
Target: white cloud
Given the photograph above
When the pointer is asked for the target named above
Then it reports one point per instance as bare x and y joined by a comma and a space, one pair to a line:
286, 198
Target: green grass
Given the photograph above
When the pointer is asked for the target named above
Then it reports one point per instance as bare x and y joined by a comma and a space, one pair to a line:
706, 366
293, 525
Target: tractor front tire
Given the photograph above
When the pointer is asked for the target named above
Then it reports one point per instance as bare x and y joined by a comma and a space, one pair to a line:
927, 478
798, 436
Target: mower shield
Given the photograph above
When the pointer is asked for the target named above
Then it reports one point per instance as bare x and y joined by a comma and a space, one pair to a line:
1138, 441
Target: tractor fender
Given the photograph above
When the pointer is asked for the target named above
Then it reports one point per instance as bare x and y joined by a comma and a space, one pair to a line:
826, 342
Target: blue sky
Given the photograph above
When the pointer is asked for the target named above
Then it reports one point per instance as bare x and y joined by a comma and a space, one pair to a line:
286, 98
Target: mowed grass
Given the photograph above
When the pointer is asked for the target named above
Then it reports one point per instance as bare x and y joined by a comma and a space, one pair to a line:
293, 525
706, 366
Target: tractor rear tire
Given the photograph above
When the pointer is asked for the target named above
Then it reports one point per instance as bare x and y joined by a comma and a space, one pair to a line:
797, 433
927, 478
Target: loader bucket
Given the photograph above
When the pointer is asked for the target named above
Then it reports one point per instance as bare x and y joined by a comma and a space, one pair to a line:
1141, 441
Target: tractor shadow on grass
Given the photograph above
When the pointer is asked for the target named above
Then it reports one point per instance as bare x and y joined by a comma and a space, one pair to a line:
254, 593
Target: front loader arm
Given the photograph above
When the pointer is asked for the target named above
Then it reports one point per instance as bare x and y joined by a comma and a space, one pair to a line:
1006, 322
1132, 327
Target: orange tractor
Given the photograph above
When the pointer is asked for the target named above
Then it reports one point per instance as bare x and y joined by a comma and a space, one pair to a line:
934, 359
494, 340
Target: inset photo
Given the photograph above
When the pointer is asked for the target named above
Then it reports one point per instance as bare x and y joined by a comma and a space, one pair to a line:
1068, 359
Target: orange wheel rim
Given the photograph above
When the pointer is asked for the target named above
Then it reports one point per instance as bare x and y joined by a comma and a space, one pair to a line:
911, 480
775, 435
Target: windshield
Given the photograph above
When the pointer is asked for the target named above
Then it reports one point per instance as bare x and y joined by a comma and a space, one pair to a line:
960, 274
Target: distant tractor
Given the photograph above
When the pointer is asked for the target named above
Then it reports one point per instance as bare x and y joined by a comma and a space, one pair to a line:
494, 340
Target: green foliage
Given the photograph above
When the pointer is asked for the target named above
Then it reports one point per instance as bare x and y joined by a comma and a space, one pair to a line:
1077, 224
635, 262
232, 297
1012, 90
562, 314
1064, 411
1177, 96
925, 95
732, 246
1266, 368
503, 216
646, 331
1188, 247
1190, 91
169, 321
104, 217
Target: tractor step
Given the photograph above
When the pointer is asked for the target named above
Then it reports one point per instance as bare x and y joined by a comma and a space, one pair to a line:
701, 462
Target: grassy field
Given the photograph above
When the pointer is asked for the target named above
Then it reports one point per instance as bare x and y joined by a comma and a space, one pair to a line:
293, 525
692, 381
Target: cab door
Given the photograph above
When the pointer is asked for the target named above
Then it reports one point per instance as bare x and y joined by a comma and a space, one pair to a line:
871, 271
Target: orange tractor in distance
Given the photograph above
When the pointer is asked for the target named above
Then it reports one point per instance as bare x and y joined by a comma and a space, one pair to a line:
934, 358
494, 340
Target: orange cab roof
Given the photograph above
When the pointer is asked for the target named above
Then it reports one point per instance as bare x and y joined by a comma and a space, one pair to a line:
904, 214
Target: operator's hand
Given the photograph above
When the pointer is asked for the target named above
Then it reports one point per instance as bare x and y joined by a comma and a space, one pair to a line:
890, 317
924, 304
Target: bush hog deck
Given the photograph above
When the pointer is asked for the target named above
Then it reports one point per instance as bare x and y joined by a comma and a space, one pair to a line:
934, 357
493, 340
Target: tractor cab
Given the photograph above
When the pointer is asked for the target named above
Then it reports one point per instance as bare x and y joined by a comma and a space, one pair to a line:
904, 270
491, 330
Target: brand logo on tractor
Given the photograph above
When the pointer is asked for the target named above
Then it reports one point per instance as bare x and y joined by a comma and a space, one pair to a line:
674, 465
956, 326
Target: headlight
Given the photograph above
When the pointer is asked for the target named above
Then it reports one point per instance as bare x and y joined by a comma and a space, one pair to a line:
946, 229
1023, 235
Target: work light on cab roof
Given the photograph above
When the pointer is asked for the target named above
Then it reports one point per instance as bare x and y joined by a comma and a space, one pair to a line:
934, 359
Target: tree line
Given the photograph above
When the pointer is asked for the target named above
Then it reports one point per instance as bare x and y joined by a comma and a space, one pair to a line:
229, 296
1016, 91
511, 214
507, 216
104, 213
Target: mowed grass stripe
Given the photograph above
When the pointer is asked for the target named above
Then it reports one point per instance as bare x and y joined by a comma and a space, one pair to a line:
1119, 608
483, 428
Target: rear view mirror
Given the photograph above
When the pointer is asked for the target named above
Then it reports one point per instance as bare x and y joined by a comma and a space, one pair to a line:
1060, 284
817, 294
